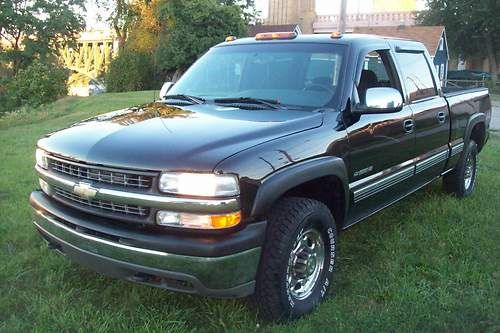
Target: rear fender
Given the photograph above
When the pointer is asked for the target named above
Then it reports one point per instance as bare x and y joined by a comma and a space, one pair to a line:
475, 119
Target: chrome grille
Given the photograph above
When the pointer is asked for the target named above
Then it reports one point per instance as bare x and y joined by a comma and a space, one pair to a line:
118, 178
104, 205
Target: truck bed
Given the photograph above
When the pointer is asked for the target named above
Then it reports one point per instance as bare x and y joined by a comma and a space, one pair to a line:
450, 91
463, 105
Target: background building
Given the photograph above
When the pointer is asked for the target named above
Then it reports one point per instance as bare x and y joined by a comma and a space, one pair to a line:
301, 12
379, 17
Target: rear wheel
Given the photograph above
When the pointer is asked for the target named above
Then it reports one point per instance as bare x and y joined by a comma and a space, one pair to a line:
298, 260
462, 180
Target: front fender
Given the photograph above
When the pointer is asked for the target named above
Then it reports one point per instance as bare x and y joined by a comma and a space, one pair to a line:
283, 180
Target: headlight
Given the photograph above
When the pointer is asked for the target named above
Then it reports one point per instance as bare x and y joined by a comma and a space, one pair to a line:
199, 184
41, 158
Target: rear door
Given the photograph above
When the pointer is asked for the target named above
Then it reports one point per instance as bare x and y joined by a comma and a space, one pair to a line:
430, 114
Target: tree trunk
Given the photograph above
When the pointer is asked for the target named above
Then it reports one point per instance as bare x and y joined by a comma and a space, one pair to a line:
490, 50
121, 35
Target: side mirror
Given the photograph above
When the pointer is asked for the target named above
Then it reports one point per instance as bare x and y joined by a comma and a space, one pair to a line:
165, 88
381, 100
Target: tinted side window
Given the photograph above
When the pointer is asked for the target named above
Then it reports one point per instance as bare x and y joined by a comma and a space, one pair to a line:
377, 72
417, 75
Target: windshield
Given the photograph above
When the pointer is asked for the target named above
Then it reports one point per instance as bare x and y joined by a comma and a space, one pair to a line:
302, 75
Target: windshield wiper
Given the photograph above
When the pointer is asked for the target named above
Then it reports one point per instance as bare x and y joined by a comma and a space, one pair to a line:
270, 103
189, 98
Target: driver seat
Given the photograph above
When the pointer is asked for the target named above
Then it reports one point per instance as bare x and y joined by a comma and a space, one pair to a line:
368, 80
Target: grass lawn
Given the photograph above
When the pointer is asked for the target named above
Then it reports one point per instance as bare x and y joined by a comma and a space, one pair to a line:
429, 263
495, 97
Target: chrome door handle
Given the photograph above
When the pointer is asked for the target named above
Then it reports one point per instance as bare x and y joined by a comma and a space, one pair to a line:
408, 125
441, 117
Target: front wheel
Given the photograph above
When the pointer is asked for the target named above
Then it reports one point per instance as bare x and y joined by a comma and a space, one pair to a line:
298, 260
462, 180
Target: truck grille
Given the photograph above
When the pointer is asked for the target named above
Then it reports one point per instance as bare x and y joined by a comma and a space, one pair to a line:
103, 205
101, 175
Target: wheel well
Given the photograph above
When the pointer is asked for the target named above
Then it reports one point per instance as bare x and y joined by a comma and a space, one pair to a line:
478, 134
329, 190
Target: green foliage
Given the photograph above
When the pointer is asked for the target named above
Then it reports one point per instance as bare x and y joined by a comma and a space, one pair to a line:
35, 85
35, 29
468, 23
472, 26
130, 71
167, 36
122, 16
250, 12
192, 28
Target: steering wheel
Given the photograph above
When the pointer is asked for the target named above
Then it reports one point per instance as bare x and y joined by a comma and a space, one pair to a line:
316, 87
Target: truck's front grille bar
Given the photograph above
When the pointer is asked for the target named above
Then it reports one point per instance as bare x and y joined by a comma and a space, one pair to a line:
104, 205
137, 198
101, 175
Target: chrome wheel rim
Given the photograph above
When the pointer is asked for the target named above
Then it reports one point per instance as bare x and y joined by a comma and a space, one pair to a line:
306, 263
469, 172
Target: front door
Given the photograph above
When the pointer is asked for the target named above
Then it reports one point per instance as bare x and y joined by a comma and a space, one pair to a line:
381, 145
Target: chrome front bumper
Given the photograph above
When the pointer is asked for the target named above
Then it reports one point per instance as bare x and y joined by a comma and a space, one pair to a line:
230, 275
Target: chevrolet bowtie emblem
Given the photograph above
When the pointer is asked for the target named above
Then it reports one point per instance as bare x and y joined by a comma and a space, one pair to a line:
85, 190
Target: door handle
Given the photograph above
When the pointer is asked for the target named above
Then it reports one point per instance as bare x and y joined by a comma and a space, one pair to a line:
441, 117
408, 125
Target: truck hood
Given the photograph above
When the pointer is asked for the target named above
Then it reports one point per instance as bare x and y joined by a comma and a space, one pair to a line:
157, 136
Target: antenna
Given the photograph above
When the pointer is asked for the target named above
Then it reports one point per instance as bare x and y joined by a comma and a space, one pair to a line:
155, 66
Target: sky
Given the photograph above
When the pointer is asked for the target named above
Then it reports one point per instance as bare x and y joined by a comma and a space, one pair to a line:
323, 7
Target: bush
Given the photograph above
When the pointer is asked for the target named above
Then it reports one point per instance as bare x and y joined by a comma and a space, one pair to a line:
130, 71
38, 84
193, 27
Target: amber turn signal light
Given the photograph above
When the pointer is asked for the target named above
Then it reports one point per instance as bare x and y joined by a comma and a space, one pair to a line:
226, 220
336, 35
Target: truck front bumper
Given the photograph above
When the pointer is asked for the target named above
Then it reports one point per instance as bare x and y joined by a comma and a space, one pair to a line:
217, 265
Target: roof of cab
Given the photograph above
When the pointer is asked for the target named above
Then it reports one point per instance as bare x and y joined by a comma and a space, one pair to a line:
359, 40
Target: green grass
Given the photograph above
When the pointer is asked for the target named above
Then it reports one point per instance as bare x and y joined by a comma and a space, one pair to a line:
429, 263
495, 97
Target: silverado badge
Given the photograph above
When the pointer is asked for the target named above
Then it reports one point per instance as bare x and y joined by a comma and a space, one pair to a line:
85, 190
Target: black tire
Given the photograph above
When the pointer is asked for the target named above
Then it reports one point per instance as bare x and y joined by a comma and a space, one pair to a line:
291, 217
456, 181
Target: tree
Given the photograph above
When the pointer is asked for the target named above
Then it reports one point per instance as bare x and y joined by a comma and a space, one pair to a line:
145, 28
37, 84
37, 28
191, 28
120, 19
250, 12
131, 70
472, 27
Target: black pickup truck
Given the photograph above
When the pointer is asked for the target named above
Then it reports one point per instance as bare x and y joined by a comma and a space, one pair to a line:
237, 181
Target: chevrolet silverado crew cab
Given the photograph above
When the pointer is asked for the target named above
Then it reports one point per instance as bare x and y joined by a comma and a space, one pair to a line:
238, 179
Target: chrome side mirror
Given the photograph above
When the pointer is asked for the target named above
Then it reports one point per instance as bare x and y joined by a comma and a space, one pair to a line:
165, 88
381, 100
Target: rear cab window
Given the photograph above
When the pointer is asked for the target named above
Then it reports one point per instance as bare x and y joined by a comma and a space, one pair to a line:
417, 75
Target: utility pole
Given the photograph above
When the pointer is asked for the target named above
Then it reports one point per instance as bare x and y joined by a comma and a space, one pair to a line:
342, 21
